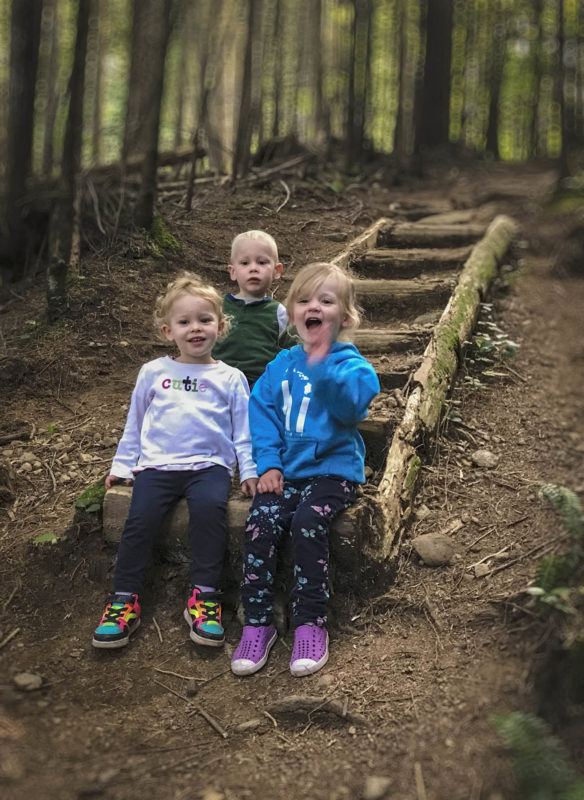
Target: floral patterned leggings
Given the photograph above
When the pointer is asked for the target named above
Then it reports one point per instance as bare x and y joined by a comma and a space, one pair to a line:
306, 509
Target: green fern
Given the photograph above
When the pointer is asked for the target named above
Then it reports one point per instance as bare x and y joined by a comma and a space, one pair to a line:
566, 503
553, 571
540, 763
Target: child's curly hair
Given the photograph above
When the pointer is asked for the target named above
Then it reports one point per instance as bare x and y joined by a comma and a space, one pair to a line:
312, 276
188, 283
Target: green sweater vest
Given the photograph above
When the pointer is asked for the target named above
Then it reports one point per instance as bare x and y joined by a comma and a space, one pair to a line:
254, 337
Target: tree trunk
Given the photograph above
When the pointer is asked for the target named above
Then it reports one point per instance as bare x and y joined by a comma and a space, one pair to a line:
24, 51
95, 42
241, 152
563, 161
400, 138
50, 11
156, 40
435, 111
64, 215
495, 77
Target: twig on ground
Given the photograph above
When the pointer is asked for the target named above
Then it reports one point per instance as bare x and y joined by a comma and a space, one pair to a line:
309, 703
514, 372
196, 709
8, 638
75, 570
491, 555
10, 596
287, 190
307, 223
543, 548
158, 631
270, 717
479, 538
177, 675
420, 788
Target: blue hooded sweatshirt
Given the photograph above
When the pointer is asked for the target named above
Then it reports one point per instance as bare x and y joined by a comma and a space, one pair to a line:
303, 417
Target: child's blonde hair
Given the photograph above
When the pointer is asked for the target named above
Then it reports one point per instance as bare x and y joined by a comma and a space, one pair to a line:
314, 275
188, 283
258, 236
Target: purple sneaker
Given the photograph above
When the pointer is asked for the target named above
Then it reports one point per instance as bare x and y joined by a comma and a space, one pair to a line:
253, 649
310, 651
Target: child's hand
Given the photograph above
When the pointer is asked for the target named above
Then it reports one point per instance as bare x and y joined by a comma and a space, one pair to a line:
271, 481
112, 479
248, 486
320, 338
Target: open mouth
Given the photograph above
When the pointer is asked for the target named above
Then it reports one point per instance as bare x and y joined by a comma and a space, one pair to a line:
313, 322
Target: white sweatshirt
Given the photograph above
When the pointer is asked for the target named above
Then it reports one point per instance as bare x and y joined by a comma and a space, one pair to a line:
186, 417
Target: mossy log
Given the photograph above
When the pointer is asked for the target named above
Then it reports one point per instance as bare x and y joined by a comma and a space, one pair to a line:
391, 505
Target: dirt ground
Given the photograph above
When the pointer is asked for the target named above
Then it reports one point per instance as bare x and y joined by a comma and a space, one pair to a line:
416, 673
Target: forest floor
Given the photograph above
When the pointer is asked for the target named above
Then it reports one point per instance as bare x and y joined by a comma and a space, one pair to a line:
419, 671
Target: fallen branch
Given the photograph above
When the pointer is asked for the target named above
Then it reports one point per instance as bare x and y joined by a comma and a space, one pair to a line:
287, 190
309, 704
196, 709
158, 631
10, 636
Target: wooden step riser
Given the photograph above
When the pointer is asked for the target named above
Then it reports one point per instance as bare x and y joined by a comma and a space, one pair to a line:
347, 562
391, 264
420, 235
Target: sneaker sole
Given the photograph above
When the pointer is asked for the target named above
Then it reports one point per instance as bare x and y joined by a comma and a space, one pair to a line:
200, 639
116, 643
306, 666
250, 668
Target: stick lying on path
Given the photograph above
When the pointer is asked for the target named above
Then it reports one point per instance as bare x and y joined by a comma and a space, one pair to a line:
196, 709
309, 703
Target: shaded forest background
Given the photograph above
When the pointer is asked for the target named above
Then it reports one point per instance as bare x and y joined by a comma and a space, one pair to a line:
97, 96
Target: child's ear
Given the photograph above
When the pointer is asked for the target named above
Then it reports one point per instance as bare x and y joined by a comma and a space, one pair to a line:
347, 321
231, 269
220, 328
278, 270
167, 333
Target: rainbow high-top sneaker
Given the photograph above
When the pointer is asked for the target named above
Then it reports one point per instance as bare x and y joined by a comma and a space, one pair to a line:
203, 614
119, 621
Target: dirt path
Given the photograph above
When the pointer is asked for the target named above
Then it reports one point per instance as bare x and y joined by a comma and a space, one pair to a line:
417, 672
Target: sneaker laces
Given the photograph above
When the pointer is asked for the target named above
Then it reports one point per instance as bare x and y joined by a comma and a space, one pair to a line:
114, 610
206, 611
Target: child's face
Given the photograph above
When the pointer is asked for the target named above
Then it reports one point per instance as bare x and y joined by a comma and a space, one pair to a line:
318, 315
254, 268
194, 327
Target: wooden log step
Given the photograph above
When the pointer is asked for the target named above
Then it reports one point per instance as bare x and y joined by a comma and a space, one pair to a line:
414, 210
345, 536
394, 377
415, 234
386, 263
380, 341
402, 297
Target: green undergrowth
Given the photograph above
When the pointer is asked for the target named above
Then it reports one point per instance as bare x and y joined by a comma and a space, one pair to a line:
162, 241
541, 765
91, 500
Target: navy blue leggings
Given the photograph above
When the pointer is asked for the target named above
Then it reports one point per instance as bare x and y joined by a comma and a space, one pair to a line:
306, 509
155, 491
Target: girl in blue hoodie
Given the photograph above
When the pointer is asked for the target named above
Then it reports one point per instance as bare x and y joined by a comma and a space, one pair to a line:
304, 411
